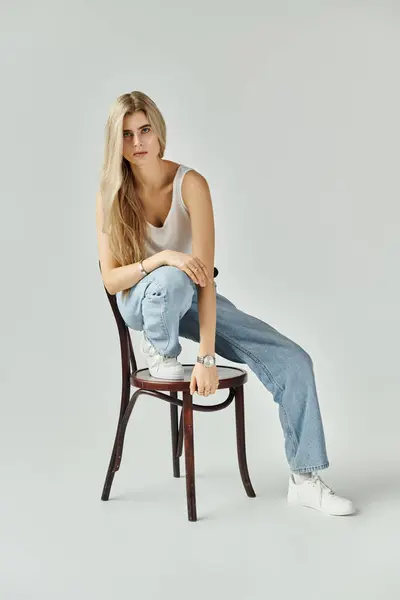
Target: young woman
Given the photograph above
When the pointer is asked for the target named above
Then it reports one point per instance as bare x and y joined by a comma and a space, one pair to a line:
155, 229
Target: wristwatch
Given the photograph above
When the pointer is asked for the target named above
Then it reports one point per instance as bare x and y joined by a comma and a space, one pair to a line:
208, 360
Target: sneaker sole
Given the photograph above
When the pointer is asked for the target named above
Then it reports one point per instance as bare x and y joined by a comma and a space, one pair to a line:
294, 503
169, 378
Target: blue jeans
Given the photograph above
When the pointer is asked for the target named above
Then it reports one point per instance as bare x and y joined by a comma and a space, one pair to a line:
164, 305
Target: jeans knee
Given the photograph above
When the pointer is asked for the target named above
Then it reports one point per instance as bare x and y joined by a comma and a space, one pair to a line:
295, 361
175, 279
302, 362
174, 286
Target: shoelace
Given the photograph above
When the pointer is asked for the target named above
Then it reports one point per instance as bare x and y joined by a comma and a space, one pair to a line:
317, 479
147, 347
152, 351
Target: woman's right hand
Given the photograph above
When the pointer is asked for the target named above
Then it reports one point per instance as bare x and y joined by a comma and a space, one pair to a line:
191, 265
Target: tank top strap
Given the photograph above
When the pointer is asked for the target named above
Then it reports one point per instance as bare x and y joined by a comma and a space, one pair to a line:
177, 191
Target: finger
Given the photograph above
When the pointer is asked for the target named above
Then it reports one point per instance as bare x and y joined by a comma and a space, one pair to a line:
197, 269
191, 274
200, 267
203, 268
201, 264
192, 386
198, 274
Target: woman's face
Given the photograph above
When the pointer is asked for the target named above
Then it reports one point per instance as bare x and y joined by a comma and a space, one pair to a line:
139, 136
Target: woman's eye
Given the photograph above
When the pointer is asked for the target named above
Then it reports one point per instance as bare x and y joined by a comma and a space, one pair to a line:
129, 134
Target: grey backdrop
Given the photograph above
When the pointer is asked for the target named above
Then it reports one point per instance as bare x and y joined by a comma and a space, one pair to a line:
291, 111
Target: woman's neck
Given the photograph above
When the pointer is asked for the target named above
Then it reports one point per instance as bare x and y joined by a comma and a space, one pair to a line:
151, 178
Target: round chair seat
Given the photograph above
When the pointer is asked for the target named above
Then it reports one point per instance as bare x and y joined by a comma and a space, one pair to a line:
228, 377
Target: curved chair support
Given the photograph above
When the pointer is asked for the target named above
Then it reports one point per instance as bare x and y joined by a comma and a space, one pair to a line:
167, 398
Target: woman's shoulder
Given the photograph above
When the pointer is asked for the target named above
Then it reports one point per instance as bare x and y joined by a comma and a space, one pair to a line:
194, 188
173, 166
193, 178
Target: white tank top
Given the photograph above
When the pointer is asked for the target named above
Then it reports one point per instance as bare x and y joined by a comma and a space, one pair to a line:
176, 233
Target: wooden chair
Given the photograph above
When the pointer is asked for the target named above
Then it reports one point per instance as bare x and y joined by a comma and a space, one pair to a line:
230, 378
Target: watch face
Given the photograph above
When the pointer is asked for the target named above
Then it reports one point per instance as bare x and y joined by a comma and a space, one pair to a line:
209, 361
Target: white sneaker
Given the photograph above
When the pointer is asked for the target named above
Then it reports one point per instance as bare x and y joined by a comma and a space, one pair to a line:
314, 493
160, 366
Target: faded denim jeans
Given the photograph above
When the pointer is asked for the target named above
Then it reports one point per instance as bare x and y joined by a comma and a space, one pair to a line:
164, 305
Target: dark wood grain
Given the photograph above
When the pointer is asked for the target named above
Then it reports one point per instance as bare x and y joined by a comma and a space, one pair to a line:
189, 455
241, 442
174, 437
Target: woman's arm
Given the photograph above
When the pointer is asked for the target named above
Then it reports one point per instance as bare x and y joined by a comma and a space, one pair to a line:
196, 196
116, 277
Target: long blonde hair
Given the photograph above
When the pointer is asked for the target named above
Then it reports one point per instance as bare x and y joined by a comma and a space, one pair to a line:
123, 215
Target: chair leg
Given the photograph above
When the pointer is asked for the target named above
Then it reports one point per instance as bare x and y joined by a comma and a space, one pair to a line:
122, 430
112, 467
110, 474
126, 386
189, 455
241, 442
117, 448
179, 450
174, 436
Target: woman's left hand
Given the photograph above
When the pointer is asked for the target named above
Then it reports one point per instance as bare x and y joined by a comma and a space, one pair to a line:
204, 380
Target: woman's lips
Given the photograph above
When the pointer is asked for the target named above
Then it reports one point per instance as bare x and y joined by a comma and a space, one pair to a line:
140, 153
